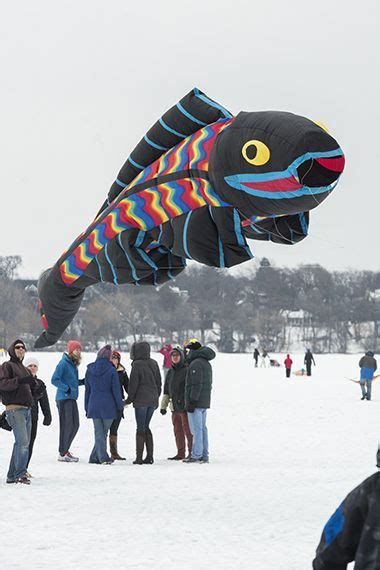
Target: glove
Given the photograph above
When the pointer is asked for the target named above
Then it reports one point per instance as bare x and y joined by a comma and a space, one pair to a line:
163, 412
47, 421
27, 380
191, 407
68, 391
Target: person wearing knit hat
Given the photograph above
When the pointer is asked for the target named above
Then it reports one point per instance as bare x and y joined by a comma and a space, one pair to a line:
41, 400
103, 402
124, 381
66, 380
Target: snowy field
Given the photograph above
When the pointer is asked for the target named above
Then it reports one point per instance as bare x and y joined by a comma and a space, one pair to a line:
283, 454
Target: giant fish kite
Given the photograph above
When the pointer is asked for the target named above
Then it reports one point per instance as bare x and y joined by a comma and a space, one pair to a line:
197, 185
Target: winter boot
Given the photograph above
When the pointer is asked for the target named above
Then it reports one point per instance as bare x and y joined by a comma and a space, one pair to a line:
113, 448
140, 441
149, 447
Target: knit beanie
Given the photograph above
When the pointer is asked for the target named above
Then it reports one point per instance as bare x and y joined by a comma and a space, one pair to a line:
73, 345
105, 352
31, 360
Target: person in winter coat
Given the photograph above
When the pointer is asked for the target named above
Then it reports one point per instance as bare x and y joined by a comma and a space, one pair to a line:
143, 392
288, 365
256, 355
18, 389
197, 398
65, 378
264, 359
174, 393
308, 360
368, 366
103, 402
40, 400
124, 380
353, 531
166, 352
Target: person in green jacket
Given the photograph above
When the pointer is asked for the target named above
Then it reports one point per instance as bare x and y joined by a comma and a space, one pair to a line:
198, 398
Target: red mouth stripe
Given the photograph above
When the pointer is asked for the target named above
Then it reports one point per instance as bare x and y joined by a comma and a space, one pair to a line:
334, 164
283, 184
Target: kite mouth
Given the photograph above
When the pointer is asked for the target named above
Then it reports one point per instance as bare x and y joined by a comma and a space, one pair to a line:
314, 173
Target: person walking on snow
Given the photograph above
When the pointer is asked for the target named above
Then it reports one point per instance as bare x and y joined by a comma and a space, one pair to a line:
198, 397
65, 379
288, 365
41, 400
264, 359
103, 402
143, 392
18, 389
368, 366
308, 360
124, 380
166, 352
256, 355
174, 394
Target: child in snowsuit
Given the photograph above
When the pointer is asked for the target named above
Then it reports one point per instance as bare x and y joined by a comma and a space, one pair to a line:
288, 365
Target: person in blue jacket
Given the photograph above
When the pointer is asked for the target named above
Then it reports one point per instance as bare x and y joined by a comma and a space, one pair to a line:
65, 379
103, 402
368, 366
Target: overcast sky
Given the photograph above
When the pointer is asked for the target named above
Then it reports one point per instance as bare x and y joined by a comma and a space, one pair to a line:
83, 80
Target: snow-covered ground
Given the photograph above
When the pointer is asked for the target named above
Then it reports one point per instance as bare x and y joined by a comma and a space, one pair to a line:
283, 455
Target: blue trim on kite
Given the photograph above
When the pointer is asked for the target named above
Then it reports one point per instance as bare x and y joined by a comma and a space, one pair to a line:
185, 235
334, 526
140, 238
170, 274
239, 234
159, 235
303, 222
135, 164
153, 144
120, 183
190, 116
133, 269
100, 269
221, 254
147, 259
110, 263
212, 103
170, 130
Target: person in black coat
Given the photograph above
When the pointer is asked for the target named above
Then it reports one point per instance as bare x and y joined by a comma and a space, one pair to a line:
144, 390
353, 531
174, 393
308, 360
41, 399
198, 397
256, 355
124, 381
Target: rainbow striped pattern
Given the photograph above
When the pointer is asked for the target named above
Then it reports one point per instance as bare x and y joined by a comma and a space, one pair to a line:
154, 205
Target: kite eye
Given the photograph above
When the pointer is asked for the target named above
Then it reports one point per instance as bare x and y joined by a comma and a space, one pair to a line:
256, 152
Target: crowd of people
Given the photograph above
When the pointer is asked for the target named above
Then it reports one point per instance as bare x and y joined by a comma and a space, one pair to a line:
267, 361
108, 390
353, 531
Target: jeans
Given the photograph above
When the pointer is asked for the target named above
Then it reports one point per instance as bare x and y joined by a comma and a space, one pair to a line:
33, 434
198, 428
115, 424
143, 417
364, 383
68, 423
99, 453
21, 423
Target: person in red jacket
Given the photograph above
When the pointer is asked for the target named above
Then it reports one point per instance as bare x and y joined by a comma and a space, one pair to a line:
288, 365
166, 352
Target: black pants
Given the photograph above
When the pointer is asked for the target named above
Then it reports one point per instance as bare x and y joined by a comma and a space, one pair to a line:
288, 372
308, 368
33, 434
68, 423
115, 424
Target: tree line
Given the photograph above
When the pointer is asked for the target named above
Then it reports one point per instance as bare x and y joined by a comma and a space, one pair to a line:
278, 308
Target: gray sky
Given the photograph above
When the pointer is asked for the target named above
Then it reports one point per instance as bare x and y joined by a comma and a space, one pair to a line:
83, 80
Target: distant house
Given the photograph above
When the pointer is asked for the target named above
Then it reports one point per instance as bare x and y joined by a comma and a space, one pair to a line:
298, 318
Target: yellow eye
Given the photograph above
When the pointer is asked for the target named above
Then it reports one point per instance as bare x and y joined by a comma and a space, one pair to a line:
256, 152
